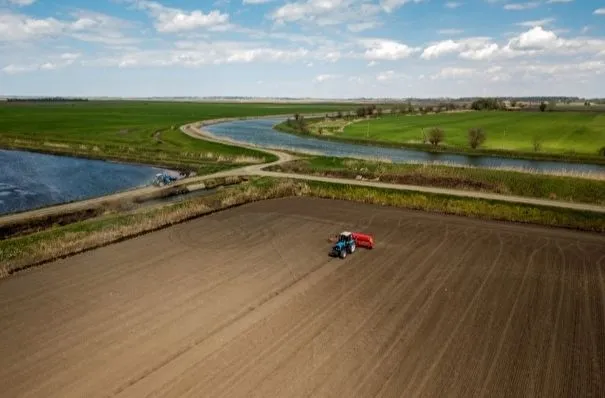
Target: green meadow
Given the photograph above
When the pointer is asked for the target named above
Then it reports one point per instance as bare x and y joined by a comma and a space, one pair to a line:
557, 132
139, 131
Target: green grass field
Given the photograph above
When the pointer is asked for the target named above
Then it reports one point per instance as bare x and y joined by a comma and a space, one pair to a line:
559, 132
146, 132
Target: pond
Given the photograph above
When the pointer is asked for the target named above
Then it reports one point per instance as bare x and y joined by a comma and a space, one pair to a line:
32, 180
260, 132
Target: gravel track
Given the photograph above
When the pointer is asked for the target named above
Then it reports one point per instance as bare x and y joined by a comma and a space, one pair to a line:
246, 303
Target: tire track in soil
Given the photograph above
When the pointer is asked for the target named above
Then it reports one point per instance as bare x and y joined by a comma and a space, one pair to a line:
423, 329
508, 322
318, 335
387, 323
293, 328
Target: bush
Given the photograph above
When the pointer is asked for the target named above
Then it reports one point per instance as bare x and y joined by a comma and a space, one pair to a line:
436, 136
476, 137
602, 151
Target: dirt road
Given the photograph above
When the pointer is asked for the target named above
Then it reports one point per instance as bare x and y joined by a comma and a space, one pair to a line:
246, 303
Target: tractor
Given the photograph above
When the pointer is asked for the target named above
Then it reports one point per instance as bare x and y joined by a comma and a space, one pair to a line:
347, 242
163, 179
344, 245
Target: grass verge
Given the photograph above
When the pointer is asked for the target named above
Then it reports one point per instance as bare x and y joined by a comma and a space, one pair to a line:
570, 189
469, 207
35, 249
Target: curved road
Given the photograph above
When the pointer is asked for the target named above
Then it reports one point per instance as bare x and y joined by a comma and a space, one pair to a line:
196, 130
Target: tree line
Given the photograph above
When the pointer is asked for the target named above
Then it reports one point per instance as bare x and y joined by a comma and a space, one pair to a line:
46, 99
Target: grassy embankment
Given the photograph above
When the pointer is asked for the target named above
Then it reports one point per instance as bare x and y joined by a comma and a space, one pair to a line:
135, 131
22, 252
572, 189
570, 136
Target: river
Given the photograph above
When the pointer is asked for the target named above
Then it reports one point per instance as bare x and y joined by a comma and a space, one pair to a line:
260, 132
32, 180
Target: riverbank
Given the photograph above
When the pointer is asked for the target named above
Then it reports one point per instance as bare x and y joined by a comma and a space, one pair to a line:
443, 149
23, 252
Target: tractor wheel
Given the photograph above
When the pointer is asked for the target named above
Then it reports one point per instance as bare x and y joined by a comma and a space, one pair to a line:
343, 254
352, 247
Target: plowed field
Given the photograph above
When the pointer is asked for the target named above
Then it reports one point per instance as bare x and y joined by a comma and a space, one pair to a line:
247, 303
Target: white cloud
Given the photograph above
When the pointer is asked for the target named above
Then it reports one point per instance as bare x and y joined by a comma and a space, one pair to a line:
384, 49
170, 20
84, 25
521, 6
361, 26
454, 73
256, 1
392, 5
536, 22
327, 12
450, 46
390, 75
599, 11
453, 4
51, 63
15, 27
22, 3
325, 77
533, 42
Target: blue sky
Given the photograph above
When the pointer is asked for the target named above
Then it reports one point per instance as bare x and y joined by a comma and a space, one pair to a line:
302, 48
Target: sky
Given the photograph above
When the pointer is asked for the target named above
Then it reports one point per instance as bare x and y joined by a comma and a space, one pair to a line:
302, 48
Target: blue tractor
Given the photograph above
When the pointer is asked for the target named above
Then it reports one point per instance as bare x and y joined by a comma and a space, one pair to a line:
344, 245
162, 179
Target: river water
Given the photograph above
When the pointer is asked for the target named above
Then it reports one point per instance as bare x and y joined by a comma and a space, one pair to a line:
260, 132
32, 180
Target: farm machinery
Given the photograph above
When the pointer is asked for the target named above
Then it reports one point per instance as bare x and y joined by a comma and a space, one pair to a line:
347, 242
162, 179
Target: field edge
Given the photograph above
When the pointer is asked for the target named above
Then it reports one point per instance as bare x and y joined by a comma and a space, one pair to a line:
22, 253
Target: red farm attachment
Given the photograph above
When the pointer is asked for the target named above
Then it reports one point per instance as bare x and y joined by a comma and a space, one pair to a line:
363, 240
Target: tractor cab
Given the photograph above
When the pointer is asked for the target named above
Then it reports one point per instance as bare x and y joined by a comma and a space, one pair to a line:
345, 237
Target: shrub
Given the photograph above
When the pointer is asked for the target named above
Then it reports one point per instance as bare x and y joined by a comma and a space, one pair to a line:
476, 137
436, 136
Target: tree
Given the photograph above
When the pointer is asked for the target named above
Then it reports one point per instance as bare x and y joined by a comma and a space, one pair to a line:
487, 104
436, 136
602, 151
542, 106
476, 137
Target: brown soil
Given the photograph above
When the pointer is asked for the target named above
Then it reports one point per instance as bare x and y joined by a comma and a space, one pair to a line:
247, 303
